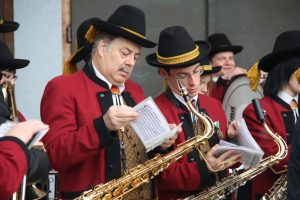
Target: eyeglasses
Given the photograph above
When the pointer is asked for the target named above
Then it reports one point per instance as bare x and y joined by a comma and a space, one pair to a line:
9, 76
197, 72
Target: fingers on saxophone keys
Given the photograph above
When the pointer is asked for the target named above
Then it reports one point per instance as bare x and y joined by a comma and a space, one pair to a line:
229, 161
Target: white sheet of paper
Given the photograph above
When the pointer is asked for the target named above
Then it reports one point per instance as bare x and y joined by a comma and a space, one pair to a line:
6, 126
251, 152
151, 126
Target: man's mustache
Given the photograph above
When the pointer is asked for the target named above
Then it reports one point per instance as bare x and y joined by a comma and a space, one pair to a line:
126, 69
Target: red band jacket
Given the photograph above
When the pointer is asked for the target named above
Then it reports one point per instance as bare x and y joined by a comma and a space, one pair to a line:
218, 89
78, 143
189, 174
14, 157
280, 119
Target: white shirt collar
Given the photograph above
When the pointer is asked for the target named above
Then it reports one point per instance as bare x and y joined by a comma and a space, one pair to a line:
181, 99
286, 97
100, 76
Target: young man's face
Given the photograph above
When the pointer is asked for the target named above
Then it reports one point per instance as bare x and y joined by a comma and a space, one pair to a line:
188, 76
118, 59
224, 59
8, 76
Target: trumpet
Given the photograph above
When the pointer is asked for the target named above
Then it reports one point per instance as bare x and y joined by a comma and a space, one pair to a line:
9, 97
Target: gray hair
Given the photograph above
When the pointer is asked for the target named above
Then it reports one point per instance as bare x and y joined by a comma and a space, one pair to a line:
102, 36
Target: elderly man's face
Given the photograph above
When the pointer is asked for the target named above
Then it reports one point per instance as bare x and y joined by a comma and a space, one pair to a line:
118, 59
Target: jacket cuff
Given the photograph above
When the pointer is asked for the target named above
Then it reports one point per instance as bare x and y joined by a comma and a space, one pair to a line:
106, 137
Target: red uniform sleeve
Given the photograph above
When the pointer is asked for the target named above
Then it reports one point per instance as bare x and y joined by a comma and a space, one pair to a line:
66, 139
13, 165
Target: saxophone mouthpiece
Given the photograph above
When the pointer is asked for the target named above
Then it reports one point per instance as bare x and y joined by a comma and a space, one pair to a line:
183, 91
260, 115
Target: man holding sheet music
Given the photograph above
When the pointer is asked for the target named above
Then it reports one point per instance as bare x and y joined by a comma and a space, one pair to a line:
90, 142
178, 57
15, 156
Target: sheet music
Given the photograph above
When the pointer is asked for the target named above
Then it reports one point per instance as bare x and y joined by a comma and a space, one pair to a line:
6, 126
250, 151
151, 126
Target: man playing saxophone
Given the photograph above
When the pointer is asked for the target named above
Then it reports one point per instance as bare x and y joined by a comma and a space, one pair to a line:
281, 96
179, 59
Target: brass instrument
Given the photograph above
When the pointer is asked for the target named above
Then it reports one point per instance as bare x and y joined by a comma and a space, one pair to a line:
9, 97
279, 189
204, 147
143, 173
234, 181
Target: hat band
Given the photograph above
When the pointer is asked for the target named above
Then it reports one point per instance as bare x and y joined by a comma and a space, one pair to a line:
133, 32
207, 67
180, 58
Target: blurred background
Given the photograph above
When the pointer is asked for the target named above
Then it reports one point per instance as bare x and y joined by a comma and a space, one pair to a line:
47, 33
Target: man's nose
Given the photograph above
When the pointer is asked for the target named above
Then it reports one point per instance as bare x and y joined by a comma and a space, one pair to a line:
130, 60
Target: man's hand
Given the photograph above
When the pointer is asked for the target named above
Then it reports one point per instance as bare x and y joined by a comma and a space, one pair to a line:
25, 130
232, 132
171, 140
234, 72
118, 116
226, 159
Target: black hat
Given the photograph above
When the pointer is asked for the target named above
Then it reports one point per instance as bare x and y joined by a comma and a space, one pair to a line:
286, 44
220, 43
8, 26
129, 22
177, 49
7, 60
83, 46
208, 68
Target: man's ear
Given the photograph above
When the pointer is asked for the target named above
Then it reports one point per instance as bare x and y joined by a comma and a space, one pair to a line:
101, 47
163, 72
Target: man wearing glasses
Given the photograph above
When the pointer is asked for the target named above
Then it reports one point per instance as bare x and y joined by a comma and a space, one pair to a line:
38, 163
179, 58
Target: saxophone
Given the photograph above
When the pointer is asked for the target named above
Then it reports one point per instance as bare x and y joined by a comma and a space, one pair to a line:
279, 189
234, 181
143, 173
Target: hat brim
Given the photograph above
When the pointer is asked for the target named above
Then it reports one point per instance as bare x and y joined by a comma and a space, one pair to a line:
116, 30
8, 26
215, 69
267, 62
81, 53
204, 48
13, 63
234, 49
